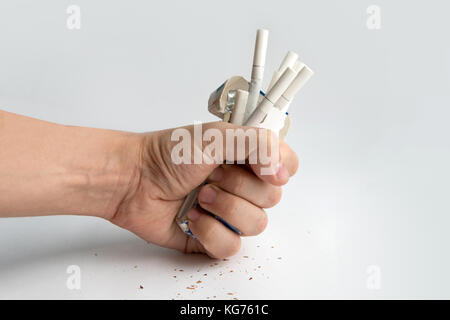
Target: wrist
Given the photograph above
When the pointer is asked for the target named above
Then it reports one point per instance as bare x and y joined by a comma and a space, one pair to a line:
50, 169
104, 172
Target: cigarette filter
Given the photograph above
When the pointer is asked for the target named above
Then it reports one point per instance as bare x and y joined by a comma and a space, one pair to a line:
300, 80
271, 97
288, 61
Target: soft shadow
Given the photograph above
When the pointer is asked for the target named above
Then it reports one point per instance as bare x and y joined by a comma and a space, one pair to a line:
117, 247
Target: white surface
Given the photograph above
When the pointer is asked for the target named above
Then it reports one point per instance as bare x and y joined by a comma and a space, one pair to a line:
371, 129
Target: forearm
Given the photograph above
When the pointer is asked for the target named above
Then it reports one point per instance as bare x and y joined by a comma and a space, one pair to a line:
47, 168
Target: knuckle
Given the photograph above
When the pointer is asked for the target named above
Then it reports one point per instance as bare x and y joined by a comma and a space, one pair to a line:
296, 164
273, 197
220, 250
208, 232
239, 183
287, 153
262, 222
232, 248
231, 205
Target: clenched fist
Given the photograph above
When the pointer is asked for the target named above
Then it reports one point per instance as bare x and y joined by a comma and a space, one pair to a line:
238, 193
137, 181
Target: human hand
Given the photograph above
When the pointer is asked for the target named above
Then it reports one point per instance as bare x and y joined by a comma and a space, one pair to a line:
236, 193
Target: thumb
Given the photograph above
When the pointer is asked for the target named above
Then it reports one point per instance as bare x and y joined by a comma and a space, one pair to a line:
189, 154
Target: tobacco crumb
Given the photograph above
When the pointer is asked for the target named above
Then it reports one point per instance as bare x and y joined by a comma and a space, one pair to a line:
141, 287
174, 276
231, 270
181, 270
230, 293
190, 288
205, 274
226, 259
214, 296
272, 247
135, 267
199, 281
246, 257
259, 267
251, 278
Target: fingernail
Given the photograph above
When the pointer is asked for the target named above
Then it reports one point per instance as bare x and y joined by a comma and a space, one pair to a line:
216, 175
207, 195
193, 215
283, 173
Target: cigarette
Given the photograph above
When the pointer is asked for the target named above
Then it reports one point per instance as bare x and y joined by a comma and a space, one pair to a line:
271, 97
294, 87
259, 61
298, 65
240, 101
288, 61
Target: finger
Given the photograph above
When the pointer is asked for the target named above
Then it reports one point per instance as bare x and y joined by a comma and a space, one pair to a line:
282, 165
245, 184
289, 158
245, 216
216, 239
259, 146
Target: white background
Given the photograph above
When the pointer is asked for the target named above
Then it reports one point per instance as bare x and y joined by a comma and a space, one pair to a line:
371, 130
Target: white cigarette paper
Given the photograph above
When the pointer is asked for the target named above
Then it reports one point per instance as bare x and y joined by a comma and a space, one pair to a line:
240, 101
294, 87
270, 113
298, 65
259, 61
271, 97
288, 61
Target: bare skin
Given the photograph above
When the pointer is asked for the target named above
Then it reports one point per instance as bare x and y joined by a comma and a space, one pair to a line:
130, 180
